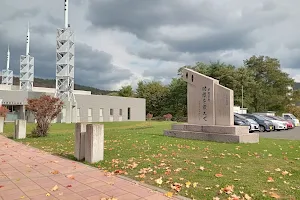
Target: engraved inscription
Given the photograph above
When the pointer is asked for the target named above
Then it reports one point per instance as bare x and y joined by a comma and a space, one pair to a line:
204, 107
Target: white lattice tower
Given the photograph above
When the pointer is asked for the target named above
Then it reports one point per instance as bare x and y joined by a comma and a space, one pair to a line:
26, 72
27, 67
65, 48
7, 77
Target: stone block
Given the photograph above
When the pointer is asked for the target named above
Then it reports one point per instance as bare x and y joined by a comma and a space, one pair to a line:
94, 143
224, 106
20, 129
224, 138
1, 124
233, 130
79, 149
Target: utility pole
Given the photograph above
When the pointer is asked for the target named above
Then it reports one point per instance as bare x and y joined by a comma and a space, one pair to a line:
242, 96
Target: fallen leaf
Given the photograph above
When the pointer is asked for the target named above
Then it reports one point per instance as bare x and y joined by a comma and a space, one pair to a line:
187, 184
218, 175
236, 179
202, 168
60, 194
278, 170
68, 186
216, 198
54, 172
247, 197
47, 194
55, 188
1, 186
71, 176
195, 184
285, 173
159, 181
270, 180
274, 195
169, 194
22, 197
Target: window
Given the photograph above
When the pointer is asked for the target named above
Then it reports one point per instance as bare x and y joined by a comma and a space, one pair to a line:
101, 112
78, 112
111, 112
128, 114
120, 112
89, 112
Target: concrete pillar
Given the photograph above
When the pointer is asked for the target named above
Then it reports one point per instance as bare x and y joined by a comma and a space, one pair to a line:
1, 124
94, 143
80, 131
20, 129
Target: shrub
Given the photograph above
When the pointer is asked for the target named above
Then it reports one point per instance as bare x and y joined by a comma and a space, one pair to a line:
45, 109
168, 117
295, 110
3, 111
149, 116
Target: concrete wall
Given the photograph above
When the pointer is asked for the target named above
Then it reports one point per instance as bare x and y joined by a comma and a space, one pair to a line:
85, 102
96, 102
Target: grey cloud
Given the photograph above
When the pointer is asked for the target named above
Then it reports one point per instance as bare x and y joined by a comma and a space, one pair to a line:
24, 13
143, 18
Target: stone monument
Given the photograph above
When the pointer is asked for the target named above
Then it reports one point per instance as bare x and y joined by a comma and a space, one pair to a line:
20, 129
80, 131
1, 124
94, 143
210, 112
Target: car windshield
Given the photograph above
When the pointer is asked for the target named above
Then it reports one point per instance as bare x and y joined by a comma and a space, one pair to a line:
260, 117
251, 121
292, 116
239, 116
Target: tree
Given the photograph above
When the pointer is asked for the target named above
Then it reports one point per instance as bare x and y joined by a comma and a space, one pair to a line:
45, 109
176, 103
271, 86
126, 91
155, 94
3, 111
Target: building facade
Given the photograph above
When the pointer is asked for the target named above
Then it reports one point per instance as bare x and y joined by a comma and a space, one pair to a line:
90, 108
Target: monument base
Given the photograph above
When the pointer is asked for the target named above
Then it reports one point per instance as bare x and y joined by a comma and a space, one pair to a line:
216, 133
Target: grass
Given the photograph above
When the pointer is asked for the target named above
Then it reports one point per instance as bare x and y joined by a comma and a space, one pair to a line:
133, 146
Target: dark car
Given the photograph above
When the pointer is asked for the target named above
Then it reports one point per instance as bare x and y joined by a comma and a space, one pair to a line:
264, 124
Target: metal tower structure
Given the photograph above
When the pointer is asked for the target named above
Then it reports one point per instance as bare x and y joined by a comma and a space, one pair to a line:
27, 67
65, 50
7, 74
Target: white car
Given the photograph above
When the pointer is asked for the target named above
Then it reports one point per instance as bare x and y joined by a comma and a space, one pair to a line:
278, 125
254, 126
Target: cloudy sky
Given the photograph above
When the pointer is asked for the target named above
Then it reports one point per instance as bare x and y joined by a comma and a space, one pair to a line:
120, 42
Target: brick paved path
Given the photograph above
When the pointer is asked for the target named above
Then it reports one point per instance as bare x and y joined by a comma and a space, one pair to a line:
29, 173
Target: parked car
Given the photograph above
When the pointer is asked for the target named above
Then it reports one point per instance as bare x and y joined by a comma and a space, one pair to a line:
289, 116
254, 126
264, 124
288, 124
240, 122
278, 125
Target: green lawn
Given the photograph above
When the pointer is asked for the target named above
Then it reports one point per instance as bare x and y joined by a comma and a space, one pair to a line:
134, 147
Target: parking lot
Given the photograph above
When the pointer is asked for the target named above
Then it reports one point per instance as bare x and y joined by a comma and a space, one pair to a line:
292, 134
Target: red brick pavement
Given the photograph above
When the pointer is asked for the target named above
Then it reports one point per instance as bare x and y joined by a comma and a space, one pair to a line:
29, 173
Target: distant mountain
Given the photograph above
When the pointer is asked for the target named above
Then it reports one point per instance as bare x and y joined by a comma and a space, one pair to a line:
50, 83
297, 86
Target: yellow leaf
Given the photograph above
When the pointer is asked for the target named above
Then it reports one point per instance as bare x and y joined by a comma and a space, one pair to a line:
187, 184
55, 188
159, 181
247, 197
278, 170
47, 194
201, 168
169, 194
22, 197
195, 184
